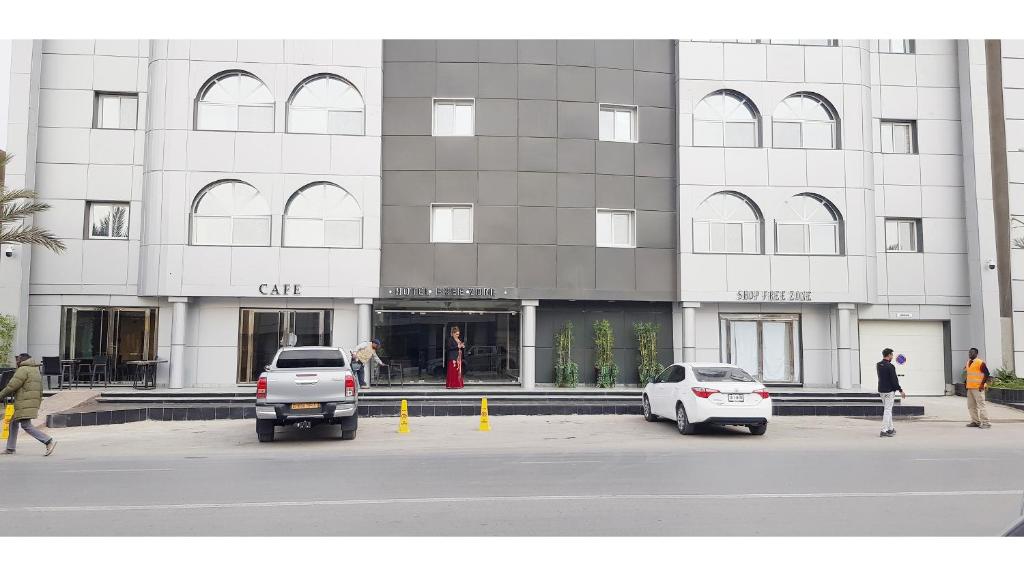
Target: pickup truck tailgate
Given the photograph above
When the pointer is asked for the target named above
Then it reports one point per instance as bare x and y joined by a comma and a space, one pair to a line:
306, 386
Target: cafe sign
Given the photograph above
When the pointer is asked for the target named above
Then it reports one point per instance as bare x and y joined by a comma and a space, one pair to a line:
773, 295
442, 292
281, 289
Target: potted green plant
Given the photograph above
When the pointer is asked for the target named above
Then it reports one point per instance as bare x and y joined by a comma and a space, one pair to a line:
604, 359
647, 351
567, 372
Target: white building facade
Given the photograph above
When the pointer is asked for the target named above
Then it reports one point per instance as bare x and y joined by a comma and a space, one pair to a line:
220, 198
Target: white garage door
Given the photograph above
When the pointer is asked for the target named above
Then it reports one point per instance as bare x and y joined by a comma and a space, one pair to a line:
919, 354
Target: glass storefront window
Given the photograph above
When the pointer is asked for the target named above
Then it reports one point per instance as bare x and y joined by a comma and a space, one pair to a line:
120, 334
413, 343
263, 331
765, 345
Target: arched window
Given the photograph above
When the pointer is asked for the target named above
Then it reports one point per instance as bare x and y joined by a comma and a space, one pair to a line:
323, 214
809, 224
235, 101
726, 118
728, 222
805, 120
326, 104
230, 213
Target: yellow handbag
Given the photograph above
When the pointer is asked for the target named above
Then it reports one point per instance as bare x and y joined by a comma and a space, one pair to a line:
8, 416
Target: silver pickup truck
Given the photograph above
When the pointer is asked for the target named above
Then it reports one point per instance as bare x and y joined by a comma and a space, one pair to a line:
307, 386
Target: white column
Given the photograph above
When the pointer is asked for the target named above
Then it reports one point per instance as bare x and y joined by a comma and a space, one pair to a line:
364, 319
179, 321
677, 333
528, 373
690, 331
843, 347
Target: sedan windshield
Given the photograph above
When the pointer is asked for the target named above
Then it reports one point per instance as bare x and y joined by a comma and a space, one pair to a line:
721, 374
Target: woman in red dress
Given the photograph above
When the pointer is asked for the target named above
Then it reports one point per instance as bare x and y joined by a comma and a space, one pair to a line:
453, 359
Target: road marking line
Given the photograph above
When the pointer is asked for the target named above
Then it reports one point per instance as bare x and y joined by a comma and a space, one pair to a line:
950, 459
116, 470
564, 462
479, 499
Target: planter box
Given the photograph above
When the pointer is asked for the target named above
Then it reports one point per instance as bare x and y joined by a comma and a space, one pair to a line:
997, 395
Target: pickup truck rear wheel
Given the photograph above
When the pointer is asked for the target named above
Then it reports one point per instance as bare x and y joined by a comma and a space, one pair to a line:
348, 434
265, 430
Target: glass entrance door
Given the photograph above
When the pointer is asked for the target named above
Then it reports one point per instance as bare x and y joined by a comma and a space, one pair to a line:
765, 345
263, 332
131, 339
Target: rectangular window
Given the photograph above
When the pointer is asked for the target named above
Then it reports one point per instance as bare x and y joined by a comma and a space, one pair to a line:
107, 221
451, 223
617, 123
899, 136
616, 228
902, 235
896, 46
116, 111
453, 117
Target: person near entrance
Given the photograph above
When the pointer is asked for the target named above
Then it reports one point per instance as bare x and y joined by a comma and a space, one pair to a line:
26, 386
364, 353
453, 359
976, 378
888, 385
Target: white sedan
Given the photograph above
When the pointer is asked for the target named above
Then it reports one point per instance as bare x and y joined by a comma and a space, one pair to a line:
694, 393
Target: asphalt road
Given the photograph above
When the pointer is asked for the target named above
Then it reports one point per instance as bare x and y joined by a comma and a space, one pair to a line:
530, 476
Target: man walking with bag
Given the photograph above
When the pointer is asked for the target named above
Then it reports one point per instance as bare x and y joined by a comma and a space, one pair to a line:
888, 385
976, 378
27, 388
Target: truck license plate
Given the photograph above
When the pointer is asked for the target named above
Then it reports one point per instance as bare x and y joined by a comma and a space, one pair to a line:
735, 397
306, 406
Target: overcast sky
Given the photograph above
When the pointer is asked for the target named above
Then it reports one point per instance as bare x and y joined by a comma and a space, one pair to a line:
5, 90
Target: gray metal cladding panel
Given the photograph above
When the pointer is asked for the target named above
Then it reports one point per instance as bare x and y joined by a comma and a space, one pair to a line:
408, 188
655, 269
407, 264
655, 89
656, 194
537, 188
408, 152
576, 155
537, 225
457, 80
537, 51
616, 269
410, 50
538, 118
537, 266
407, 117
410, 79
615, 86
537, 82
498, 50
538, 154
496, 117
495, 224
656, 125
622, 316
576, 120
498, 188
655, 55
405, 224
458, 50
497, 265
615, 191
497, 153
577, 227
577, 268
615, 158
455, 153
456, 186
614, 53
576, 52
655, 160
455, 264
576, 83
498, 81
576, 190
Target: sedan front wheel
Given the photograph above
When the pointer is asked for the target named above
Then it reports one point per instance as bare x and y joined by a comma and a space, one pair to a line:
648, 415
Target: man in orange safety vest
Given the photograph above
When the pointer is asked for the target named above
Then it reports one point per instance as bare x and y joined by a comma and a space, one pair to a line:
976, 378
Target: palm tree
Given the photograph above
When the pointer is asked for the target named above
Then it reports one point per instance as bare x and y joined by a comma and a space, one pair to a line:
15, 206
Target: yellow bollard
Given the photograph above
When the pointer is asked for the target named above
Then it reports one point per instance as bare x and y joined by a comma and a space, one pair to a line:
8, 417
485, 420
403, 419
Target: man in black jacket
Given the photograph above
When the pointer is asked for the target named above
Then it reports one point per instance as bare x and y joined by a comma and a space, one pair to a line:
888, 385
